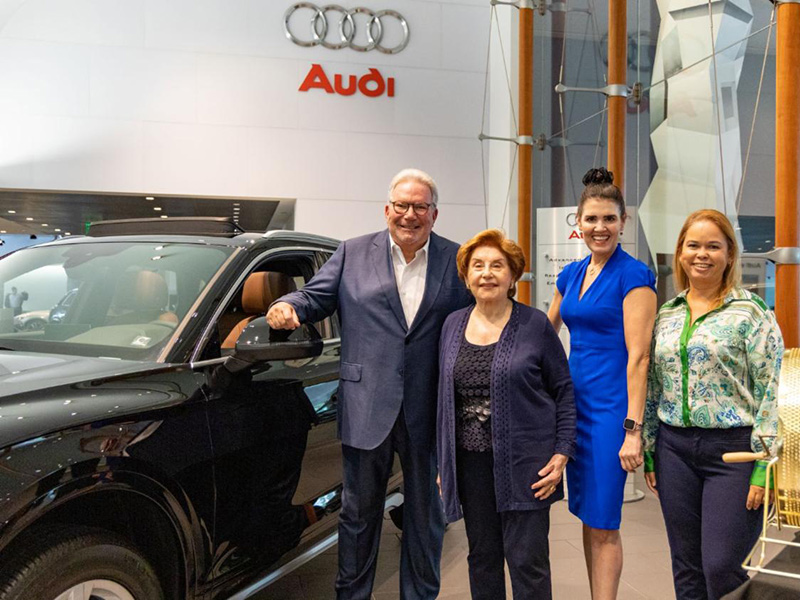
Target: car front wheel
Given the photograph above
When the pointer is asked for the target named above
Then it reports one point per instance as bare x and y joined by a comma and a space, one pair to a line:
97, 589
78, 563
34, 325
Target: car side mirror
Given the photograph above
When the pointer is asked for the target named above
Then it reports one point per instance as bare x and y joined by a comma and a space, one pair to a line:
258, 342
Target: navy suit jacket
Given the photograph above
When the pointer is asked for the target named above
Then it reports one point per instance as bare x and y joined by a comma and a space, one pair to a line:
385, 364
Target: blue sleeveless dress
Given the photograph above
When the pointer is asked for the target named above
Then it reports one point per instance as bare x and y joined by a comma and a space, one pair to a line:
598, 363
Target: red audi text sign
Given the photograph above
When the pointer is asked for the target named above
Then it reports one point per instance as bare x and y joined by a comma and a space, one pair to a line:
371, 84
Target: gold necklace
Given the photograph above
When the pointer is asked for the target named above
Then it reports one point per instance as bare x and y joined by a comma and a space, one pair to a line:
595, 269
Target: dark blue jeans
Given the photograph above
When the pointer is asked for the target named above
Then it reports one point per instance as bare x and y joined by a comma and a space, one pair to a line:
704, 500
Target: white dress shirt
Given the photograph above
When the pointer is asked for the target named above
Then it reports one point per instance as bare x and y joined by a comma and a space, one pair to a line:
410, 277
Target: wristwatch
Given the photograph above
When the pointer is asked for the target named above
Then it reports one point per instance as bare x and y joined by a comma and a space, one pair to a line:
631, 425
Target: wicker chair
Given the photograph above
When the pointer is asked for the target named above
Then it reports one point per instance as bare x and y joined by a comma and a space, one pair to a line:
783, 499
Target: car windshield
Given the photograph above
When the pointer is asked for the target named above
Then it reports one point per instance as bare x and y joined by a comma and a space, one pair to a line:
111, 299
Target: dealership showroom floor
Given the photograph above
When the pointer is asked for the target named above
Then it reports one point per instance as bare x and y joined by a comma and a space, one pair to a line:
645, 574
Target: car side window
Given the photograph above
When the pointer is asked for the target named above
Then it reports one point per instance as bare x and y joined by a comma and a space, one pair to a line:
266, 283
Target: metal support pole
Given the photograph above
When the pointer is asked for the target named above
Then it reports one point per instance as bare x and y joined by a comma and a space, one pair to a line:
617, 75
524, 179
787, 167
558, 158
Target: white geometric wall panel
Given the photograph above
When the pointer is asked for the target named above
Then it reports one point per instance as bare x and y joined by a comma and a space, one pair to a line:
698, 151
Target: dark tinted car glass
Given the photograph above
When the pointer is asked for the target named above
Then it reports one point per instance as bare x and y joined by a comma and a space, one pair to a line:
129, 296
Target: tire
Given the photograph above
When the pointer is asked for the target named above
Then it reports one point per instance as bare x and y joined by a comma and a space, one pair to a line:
58, 561
35, 325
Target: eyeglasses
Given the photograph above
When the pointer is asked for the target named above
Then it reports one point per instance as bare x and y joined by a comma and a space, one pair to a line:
401, 208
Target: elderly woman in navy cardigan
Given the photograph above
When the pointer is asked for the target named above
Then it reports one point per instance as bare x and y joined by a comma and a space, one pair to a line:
506, 423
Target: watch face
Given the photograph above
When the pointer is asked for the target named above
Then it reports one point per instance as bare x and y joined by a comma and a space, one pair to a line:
629, 424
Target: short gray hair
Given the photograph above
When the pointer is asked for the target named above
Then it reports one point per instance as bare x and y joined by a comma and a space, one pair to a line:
418, 176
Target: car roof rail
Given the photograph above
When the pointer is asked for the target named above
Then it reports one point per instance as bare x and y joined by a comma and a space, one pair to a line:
216, 226
297, 236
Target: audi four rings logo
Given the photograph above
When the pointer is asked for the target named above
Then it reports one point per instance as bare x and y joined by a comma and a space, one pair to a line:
346, 26
572, 219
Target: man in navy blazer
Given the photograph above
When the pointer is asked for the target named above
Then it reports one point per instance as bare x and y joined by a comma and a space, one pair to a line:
393, 290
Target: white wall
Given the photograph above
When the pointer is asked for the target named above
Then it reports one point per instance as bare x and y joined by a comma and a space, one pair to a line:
201, 97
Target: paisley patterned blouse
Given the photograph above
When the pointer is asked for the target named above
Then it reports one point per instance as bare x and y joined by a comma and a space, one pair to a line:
719, 372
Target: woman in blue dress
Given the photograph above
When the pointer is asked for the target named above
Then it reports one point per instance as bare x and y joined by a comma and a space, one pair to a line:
608, 303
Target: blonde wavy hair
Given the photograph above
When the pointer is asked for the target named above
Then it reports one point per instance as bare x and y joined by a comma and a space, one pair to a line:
732, 276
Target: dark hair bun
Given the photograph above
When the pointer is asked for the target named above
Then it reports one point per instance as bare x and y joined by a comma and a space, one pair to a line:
598, 177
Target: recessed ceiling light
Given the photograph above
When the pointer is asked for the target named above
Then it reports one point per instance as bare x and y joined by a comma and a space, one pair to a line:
149, 198
2, 230
45, 225
29, 218
67, 233
164, 217
156, 208
12, 212
56, 229
236, 204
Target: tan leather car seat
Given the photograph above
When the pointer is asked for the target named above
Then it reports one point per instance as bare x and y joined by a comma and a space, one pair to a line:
140, 297
260, 290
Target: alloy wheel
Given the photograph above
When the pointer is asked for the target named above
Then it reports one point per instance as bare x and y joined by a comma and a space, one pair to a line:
96, 589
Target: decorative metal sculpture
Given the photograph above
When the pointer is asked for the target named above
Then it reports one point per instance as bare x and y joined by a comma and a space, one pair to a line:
694, 115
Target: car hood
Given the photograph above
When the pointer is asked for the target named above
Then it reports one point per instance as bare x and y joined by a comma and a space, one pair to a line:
40, 393
33, 314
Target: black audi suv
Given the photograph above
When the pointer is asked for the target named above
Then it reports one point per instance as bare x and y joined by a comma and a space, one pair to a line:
159, 440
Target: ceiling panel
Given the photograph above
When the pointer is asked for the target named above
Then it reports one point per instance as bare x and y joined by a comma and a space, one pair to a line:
27, 211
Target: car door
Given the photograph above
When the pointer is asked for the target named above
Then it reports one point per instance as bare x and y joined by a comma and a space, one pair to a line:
277, 459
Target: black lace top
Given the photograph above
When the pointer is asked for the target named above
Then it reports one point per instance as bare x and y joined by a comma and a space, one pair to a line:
471, 379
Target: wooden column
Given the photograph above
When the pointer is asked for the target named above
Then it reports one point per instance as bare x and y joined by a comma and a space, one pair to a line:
787, 166
617, 74
524, 183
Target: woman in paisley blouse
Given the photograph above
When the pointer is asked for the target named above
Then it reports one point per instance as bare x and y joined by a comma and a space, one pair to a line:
506, 423
715, 359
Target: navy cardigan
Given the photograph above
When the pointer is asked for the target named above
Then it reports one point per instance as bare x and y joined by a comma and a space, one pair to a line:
533, 408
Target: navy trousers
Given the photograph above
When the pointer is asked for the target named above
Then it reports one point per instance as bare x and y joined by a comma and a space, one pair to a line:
366, 473
704, 500
518, 537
